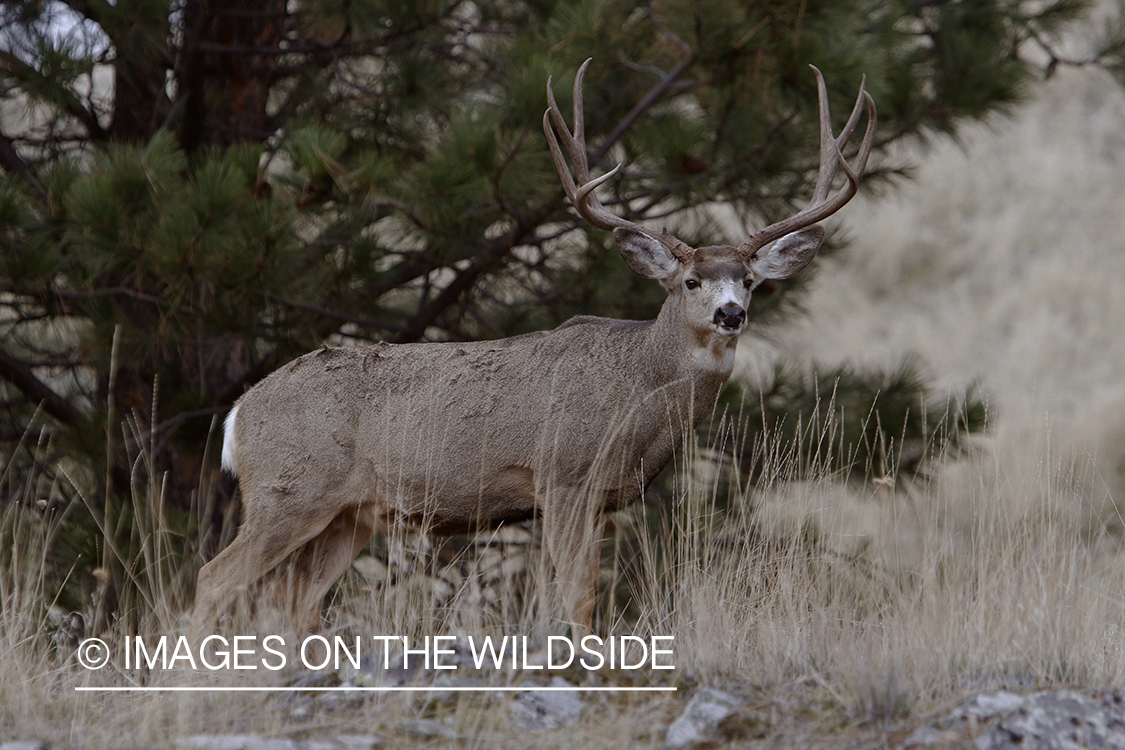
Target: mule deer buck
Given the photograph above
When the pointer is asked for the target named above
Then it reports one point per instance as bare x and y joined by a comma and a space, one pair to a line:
566, 424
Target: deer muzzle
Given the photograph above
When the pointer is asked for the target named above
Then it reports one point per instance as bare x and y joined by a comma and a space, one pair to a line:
730, 316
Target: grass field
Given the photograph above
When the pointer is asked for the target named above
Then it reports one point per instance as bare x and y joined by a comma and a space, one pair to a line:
844, 615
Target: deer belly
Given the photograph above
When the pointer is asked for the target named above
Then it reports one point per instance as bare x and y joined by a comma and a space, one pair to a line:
459, 503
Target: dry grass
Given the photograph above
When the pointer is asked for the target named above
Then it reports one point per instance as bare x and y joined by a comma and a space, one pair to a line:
844, 610
853, 608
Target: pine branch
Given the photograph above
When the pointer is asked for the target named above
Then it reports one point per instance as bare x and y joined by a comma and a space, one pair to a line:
358, 320
13, 163
498, 250
20, 375
655, 94
69, 103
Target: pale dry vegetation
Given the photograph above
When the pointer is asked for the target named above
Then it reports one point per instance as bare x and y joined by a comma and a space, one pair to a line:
871, 604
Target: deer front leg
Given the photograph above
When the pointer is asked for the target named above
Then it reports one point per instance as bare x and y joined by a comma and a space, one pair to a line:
572, 525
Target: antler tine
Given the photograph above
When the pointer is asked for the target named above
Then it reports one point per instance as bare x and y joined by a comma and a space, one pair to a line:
853, 118
827, 143
865, 145
828, 160
556, 153
575, 143
831, 156
580, 189
579, 115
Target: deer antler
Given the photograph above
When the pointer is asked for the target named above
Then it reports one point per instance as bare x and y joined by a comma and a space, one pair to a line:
582, 194
831, 154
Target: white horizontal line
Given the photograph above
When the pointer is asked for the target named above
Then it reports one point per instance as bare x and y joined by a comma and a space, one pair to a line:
455, 689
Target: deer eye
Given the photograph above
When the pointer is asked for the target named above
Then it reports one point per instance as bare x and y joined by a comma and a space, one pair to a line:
692, 283
748, 282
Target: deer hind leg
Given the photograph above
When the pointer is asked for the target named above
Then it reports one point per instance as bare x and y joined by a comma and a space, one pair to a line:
262, 543
325, 558
572, 525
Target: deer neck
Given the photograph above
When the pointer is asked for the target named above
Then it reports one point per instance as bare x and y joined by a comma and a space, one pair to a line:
699, 359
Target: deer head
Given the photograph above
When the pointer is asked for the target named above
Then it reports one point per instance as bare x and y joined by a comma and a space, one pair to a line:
714, 283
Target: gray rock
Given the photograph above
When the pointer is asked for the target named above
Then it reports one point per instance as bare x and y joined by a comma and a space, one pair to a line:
1057, 720
235, 742
540, 711
215, 742
699, 723
427, 729
1049, 720
358, 741
988, 705
272, 743
926, 736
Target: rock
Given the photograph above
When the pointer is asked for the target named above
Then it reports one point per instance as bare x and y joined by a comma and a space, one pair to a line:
358, 741
926, 736
23, 745
700, 721
254, 742
215, 742
539, 711
986, 706
1049, 720
427, 729
236, 742
272, 743
1057, 720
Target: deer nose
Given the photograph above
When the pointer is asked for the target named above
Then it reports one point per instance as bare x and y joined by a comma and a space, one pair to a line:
730, 316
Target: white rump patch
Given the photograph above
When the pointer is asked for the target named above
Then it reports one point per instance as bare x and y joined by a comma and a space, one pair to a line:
230, 462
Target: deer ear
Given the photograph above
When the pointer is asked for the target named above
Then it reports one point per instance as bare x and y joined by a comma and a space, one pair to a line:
788, 256
644, 254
